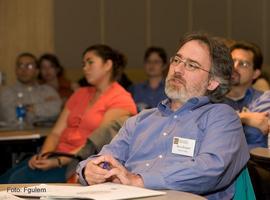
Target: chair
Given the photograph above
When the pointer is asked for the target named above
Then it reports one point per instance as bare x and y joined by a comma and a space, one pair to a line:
243, 187
101, 136
259, 169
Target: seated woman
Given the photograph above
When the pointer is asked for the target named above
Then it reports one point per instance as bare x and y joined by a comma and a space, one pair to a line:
87, 109
52, 74
150, 92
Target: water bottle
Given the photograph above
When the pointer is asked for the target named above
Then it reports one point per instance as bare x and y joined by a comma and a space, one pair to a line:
20, 110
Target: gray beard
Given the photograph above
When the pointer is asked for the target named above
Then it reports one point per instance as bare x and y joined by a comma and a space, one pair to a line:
175, 95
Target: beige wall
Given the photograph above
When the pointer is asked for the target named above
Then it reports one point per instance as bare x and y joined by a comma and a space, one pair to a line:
67, 27
25, 25
133, 25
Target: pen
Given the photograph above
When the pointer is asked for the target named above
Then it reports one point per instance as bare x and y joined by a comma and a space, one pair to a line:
106, 165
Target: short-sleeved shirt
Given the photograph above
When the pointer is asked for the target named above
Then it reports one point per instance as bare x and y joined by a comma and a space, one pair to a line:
82, 122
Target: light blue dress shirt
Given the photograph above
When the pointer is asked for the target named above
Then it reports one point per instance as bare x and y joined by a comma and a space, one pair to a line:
144, 146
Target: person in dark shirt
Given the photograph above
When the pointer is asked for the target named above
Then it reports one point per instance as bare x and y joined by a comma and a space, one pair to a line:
150, 92
248, 61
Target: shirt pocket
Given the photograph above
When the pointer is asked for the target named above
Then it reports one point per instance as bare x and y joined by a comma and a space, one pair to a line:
194, 132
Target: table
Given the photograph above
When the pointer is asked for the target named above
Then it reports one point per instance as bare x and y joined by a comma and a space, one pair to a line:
34, 133
15, 145
259, 170
171, 194
260, 154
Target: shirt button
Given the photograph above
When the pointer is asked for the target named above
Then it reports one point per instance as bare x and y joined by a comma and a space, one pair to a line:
175, 116
147, 164
160, 156
165, 134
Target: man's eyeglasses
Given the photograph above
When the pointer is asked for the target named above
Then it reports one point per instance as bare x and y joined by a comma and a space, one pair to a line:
188, 64
26, 65
242, 63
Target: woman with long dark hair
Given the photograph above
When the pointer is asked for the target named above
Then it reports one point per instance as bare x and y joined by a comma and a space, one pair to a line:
85, 111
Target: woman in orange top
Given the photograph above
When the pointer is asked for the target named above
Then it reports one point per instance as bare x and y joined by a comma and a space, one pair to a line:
85, 111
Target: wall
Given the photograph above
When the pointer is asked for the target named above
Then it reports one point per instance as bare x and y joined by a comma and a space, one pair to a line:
67, 27
132, 26
25, 25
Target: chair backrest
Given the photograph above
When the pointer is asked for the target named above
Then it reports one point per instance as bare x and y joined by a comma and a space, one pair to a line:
243, 187
101, 136
259, 169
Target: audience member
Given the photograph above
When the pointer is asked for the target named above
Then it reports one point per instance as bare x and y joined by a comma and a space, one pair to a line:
188, 142
150, 92
40, 101
52, 74
248, 60
86, 110
122, 79
262, 83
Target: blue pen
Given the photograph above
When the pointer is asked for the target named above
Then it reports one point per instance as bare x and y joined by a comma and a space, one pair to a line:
106, 165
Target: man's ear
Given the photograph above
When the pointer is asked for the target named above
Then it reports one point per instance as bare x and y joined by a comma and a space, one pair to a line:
212, 84
256, 74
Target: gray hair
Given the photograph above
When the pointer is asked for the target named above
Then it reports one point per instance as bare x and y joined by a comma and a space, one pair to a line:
222, 63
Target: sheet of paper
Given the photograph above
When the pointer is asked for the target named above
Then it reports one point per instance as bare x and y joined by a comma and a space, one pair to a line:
105, 191
6, 196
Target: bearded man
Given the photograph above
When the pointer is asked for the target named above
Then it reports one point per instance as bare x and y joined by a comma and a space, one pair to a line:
252, 107
189, 142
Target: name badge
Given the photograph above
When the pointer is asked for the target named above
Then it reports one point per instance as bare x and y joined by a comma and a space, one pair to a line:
183, 146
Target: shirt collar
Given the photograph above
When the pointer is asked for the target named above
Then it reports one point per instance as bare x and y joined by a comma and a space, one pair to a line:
248, 96
190, 105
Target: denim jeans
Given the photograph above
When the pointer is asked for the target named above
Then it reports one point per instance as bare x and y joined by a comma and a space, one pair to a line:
22, 173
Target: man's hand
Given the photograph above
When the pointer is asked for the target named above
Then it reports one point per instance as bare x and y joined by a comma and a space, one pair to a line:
94, 173
256, 119
117, 173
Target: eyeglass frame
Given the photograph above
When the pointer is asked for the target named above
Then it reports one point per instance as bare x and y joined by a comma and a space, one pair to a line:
186, 63
242, 63
26, 65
